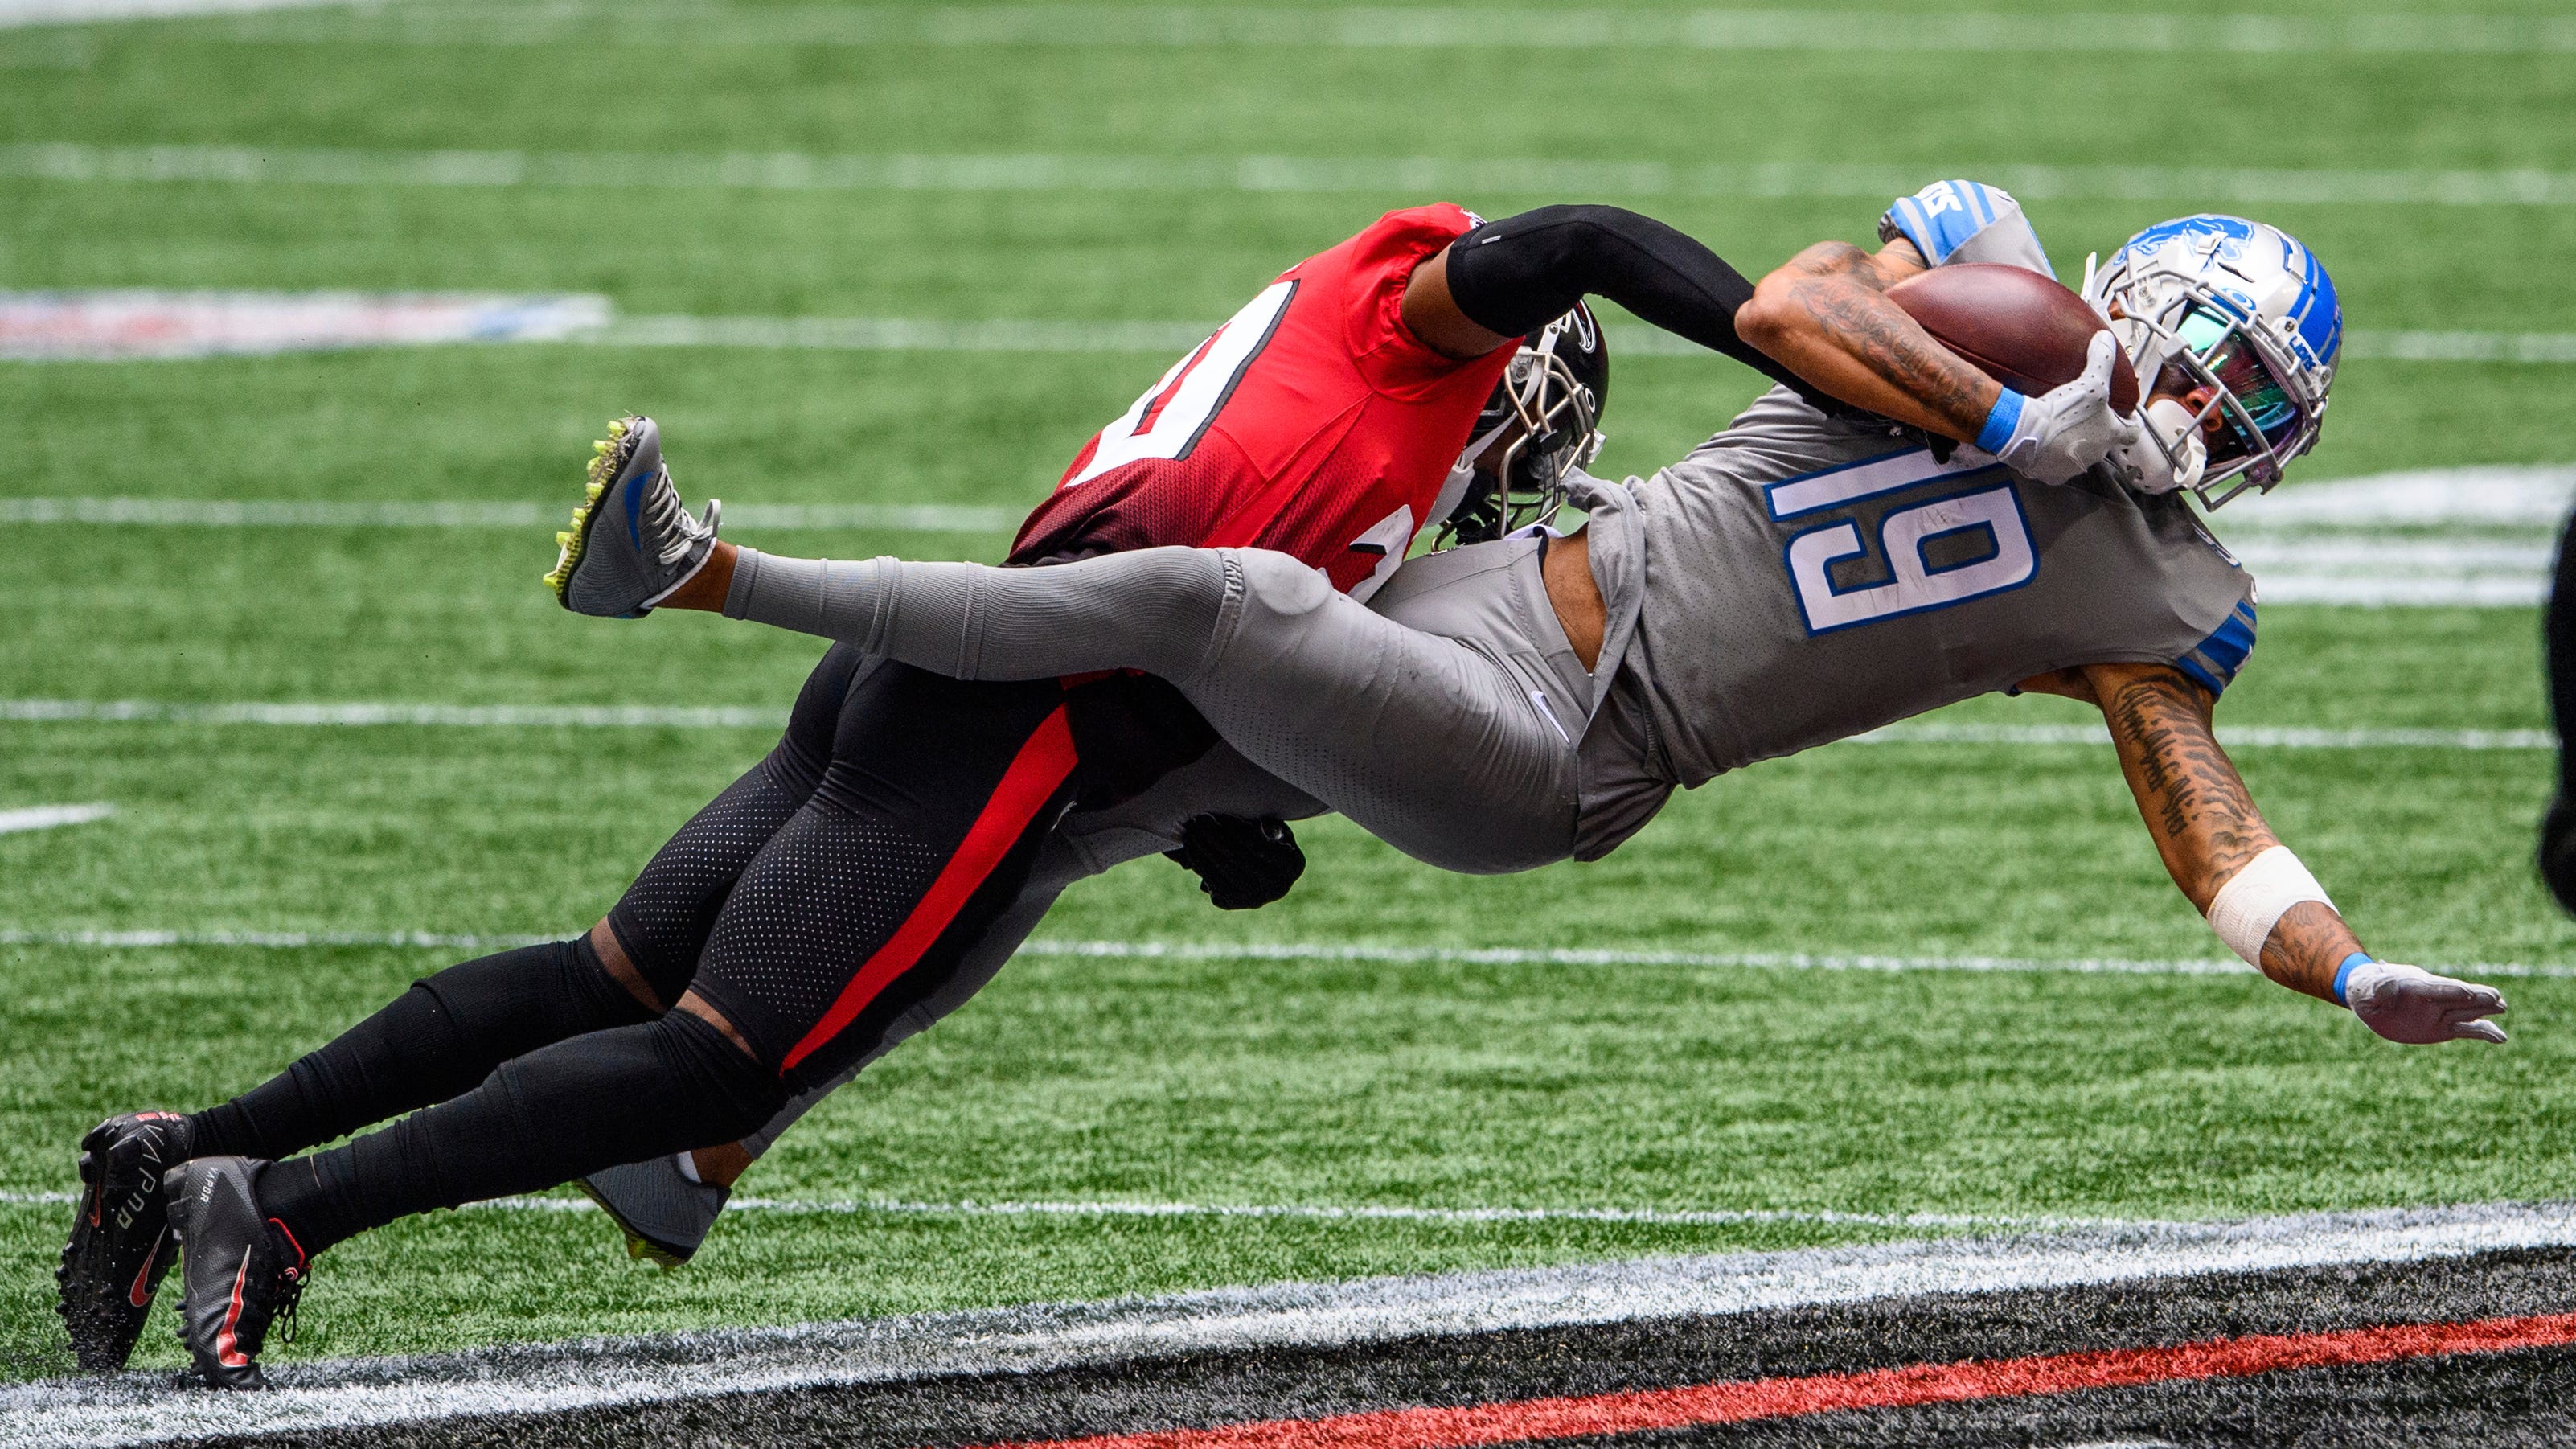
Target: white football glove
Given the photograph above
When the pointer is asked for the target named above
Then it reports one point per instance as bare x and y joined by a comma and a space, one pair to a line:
2411, 1004
2068, 429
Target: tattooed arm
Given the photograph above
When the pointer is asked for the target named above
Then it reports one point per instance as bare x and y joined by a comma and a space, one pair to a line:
1825, 316
2197, 808
2207, 829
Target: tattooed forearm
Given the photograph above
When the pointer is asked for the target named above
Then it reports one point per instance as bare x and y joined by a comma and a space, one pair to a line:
2195, 804
1876, 332
2305, 948
1826, 316
2203, 820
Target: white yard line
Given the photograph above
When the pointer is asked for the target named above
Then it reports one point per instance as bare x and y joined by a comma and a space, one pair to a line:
1389, 955
905, 334
2462, 346
16, 13
1294, 1212
911, 334
1442, 27
2233, 736
366, 714
142, 1407
1026, 335
471, 716
47, 817
272, 940
1259, 174
130, 325
354, 513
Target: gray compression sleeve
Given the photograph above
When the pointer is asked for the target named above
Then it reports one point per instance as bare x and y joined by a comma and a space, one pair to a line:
1160, 610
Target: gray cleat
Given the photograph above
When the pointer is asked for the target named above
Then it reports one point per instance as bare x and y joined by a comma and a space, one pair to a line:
665, 1216
631, 544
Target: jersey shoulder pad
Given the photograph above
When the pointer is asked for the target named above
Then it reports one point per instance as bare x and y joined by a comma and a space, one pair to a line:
1966, 221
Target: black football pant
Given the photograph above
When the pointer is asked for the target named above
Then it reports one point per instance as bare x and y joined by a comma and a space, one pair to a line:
2558, 827
818, 903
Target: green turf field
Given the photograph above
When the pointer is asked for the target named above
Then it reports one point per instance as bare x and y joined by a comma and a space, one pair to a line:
1191, 1080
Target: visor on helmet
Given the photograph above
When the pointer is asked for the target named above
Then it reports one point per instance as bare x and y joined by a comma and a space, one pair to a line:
2259, 414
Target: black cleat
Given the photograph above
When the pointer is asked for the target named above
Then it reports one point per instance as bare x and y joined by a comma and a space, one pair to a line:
244, 1271
120, 1245
664, 1216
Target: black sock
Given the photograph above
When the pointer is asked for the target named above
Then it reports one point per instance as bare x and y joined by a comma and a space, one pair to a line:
433, 1042
557, 1113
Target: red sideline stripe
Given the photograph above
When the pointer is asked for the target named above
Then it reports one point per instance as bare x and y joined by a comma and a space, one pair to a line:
1727, 1403
1035, 772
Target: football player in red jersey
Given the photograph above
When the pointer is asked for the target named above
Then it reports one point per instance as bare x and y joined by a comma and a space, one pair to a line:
882, 862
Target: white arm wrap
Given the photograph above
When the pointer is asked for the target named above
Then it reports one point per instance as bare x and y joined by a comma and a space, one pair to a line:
2255, 898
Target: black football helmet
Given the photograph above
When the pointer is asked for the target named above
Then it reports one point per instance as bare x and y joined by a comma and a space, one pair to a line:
1549, 401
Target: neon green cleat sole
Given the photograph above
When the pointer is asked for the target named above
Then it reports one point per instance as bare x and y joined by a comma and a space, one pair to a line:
608, 457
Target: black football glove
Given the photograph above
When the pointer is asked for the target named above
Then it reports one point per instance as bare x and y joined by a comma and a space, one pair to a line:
1243, 864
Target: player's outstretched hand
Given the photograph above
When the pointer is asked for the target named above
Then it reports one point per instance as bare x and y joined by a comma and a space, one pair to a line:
2068, 429
2411, 1004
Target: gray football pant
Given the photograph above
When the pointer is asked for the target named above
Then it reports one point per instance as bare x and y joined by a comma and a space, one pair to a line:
1442, 717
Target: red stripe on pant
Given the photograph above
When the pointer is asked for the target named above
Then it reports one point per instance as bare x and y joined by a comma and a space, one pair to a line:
1727, 1403
1035, 774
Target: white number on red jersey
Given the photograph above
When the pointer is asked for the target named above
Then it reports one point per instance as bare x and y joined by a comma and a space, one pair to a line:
1172, 415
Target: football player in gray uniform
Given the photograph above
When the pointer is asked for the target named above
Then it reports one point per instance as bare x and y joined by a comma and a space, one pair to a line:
1800, 578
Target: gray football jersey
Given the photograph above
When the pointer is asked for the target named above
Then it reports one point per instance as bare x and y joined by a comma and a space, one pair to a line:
1798, 579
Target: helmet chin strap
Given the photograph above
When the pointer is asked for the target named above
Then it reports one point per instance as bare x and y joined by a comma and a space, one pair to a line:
2176, 456
1462, 475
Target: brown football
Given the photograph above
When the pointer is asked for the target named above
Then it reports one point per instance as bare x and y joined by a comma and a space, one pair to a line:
2028, 332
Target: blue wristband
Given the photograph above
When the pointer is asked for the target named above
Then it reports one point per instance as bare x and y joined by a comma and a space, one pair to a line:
2001, 421
2343, 973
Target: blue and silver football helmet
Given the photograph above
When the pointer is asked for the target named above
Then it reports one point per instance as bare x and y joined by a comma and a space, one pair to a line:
2248, 315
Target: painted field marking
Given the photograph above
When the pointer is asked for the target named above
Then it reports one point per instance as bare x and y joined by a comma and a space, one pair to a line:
15, 13
906, 334
1636, 1411
369, 714
2232, 736
1295, 1212
553, 1377
1429, 27
47, 817
133, 325
124, 325
72, 161
910, 334
392, 513
1382, 955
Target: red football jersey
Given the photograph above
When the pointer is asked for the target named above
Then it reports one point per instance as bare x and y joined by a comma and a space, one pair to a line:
1313, 422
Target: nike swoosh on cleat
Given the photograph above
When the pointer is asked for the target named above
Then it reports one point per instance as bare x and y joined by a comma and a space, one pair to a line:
634, 512
227, 1347
139, 1295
